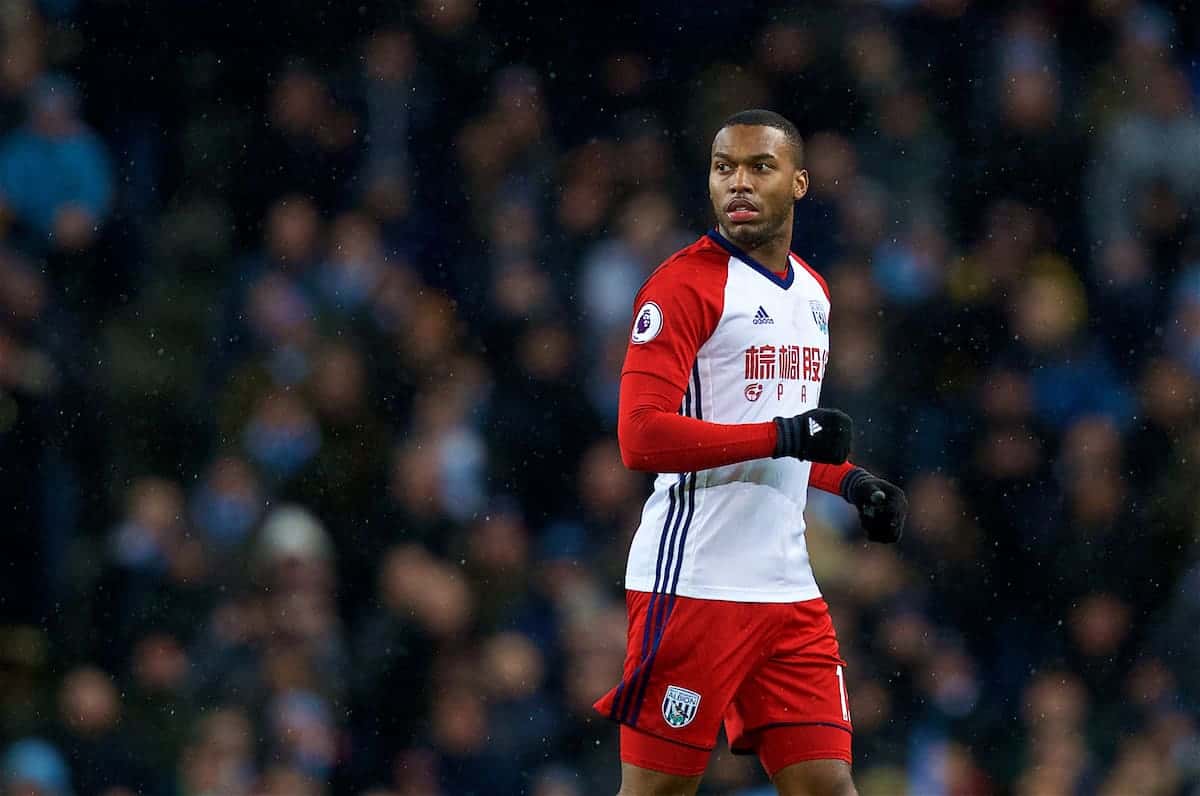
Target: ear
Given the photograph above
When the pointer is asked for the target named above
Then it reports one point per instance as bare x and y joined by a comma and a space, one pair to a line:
799, 184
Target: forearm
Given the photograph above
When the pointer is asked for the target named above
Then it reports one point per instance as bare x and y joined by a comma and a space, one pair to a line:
830, 477
664, 442
655, 438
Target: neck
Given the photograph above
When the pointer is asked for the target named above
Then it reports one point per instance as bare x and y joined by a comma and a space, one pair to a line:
773, 252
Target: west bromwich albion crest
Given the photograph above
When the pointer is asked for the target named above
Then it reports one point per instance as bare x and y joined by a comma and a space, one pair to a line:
679, 706
819, 316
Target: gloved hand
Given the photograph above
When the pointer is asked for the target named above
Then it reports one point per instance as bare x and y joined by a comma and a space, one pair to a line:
818, 435
882, 506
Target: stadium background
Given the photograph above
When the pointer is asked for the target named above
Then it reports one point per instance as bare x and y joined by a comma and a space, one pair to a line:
311, 317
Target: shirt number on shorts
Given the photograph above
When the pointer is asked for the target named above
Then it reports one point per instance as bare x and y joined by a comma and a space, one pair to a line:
842, 693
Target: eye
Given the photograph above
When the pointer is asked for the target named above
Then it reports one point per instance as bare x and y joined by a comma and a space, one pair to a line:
762, 166
722, 168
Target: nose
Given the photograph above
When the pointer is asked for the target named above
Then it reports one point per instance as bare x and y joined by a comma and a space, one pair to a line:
741, 181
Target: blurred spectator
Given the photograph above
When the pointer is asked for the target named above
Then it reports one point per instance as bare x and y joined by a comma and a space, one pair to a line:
508, 146
904, 150
25, 49
1026, 151
154, 516
285, 634
220, 757
910, 269
1072, 375
513, 669
355, 265
1184, 339
39, 379
1126, 290
398, 100
460, 50
282, 435
33, 767
311, 145
159, 710
227, 504
587, 189
795, 56
304, 735
348, 464
468, 760
94, 737
55, 175
423, 604
536, 411
291, 235
617, 266
1154, 150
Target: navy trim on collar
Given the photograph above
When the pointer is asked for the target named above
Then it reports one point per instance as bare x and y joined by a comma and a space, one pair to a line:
784, 282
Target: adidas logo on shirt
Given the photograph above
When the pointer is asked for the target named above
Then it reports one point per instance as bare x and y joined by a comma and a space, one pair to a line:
762, 317
813, 427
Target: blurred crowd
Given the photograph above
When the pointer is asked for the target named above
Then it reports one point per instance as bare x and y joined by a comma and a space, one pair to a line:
311, 321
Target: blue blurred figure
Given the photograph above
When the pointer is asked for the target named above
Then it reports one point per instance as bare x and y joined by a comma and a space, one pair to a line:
55, 174
33, 767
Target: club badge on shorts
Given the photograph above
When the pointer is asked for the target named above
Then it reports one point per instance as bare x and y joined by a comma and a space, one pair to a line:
679, 706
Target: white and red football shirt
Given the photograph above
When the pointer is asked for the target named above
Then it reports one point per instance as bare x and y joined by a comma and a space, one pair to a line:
744, 344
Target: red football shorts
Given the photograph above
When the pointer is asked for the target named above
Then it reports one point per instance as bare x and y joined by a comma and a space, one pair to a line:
770, 672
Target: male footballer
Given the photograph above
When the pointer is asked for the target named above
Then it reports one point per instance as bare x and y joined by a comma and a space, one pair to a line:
728, 349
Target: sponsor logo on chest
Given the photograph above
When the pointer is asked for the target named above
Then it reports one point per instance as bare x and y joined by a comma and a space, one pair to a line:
783, 361
788, 362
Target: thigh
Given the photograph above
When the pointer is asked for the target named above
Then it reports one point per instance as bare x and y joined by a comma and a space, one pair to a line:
644, 782
815, 778
797, 698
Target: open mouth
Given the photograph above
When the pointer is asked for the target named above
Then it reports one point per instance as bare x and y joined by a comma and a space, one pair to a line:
741, 210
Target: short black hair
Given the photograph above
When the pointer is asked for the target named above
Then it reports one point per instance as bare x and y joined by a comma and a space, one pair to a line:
760, 117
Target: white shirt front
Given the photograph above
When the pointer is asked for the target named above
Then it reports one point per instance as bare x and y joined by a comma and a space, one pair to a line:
759, 346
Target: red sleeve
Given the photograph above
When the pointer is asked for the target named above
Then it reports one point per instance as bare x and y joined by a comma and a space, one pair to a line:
674, 314
828, 477
653, 436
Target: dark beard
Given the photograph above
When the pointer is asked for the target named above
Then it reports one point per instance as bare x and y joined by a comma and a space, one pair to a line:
750, 239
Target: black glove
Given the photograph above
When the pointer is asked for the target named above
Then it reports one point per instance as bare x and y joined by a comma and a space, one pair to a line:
882, 506
818, 435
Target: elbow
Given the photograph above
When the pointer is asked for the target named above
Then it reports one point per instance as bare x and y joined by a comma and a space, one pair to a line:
630, 460
638, 463
633, 456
